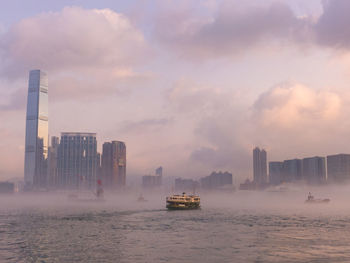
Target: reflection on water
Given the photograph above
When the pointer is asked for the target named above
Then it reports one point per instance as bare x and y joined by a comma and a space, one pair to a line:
231, 228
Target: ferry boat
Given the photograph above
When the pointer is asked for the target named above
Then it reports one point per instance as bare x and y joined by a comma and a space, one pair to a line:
311, 200
183, 202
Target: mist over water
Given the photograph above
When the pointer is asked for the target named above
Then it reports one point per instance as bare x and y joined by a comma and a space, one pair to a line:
244, 226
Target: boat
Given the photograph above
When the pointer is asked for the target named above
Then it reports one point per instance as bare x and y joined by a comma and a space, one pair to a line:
141, 199
312, 200
98, 195
183, 202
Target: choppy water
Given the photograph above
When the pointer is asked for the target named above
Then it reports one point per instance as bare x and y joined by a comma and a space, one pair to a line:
231, 228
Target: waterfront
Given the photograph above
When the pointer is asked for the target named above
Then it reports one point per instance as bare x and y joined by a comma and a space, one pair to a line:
237, 230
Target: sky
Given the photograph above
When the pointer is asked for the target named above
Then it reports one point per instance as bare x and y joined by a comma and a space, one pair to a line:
192, 85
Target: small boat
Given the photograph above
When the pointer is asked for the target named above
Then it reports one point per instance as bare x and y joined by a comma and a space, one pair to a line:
311, 200
141, 199
183, 202
98, 195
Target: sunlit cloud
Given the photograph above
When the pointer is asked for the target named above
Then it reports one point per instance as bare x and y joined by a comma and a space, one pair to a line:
159, 86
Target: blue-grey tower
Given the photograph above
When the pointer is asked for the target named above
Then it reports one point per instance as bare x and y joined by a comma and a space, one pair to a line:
37, 131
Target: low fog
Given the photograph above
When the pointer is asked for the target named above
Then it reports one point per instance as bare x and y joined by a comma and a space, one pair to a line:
288, 200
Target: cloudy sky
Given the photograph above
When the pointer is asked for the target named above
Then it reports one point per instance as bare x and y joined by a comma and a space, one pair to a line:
192, 85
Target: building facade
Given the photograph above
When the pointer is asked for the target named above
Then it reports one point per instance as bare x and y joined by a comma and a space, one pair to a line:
216, 180
7, 188
260, 166
77, 160
37, 131
113, 164
53, 162
151, 181
338, 168
159, 171
292, 170
187, 185
275, 173
314, 170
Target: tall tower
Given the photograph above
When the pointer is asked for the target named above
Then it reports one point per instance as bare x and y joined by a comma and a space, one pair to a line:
263, 165
256, 165
113, 164
159, 171
37, 131
260, 166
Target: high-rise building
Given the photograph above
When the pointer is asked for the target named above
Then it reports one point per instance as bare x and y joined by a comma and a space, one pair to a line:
37, 131
151, 181
7, 188
292, 170
216, 180
314, 170
338, 168
113, 164
275, 173
186, 185
159, 171
98, 167
52, 162
260, 166
77, 160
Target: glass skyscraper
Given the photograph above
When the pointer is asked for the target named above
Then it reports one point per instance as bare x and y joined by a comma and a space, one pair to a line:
259, 166
37, 131
77, 160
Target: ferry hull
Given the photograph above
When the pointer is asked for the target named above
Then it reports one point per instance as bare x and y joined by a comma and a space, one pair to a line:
177, 206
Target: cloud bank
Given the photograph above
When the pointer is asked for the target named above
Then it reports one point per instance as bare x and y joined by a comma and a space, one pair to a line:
234, 29
290, 120
178, 114
70, 39
87, 52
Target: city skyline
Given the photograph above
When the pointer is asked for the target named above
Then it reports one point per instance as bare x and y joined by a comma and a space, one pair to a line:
118, 71
174, 131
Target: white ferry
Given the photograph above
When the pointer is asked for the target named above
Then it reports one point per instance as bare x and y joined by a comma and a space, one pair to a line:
183, 202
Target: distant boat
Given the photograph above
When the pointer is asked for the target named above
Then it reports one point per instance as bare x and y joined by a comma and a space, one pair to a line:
311, 200
141, 199
183, 202
98, 195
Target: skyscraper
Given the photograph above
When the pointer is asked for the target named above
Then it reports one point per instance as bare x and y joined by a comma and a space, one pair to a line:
314, 170
113, 164
275, 173
260, 166
52, 162
77, 160
292, 170
159, 171
216, 180
37, 131
338, 168
151, 181
188, 185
